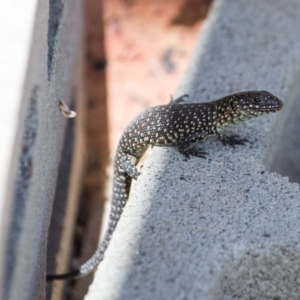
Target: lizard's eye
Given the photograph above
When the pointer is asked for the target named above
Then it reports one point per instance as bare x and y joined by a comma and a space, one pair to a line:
257, 100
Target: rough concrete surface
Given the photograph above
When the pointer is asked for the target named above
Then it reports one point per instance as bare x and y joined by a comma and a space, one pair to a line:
48, 75
224, 227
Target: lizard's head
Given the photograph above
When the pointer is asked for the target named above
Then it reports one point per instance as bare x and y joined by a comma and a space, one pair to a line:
252, 104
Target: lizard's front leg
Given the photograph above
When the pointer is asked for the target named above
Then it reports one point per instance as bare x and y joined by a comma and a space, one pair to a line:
185, 143
232, 140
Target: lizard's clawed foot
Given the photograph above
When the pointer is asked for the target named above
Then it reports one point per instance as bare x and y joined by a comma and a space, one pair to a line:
194, 152
232, 140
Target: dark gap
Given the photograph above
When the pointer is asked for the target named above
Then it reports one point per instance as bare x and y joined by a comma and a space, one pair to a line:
94, 180
55, 14
60, 201
23, 181
283, 156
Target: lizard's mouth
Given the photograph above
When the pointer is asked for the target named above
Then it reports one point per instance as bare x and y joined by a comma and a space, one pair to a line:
276, 107
269, 108
264, 111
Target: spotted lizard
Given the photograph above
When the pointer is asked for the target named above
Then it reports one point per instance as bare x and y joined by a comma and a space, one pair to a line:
177, 124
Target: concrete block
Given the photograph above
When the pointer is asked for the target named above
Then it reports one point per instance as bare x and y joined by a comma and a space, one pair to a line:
40, 53
224, 227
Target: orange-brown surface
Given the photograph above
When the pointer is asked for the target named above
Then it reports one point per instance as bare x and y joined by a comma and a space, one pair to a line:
148, 45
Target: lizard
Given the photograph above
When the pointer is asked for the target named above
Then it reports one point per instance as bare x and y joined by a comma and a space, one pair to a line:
179, 124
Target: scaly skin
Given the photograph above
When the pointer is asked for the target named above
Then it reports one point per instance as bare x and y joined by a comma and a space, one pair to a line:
178, 125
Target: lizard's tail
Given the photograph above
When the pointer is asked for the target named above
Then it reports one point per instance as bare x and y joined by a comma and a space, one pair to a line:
121, 187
